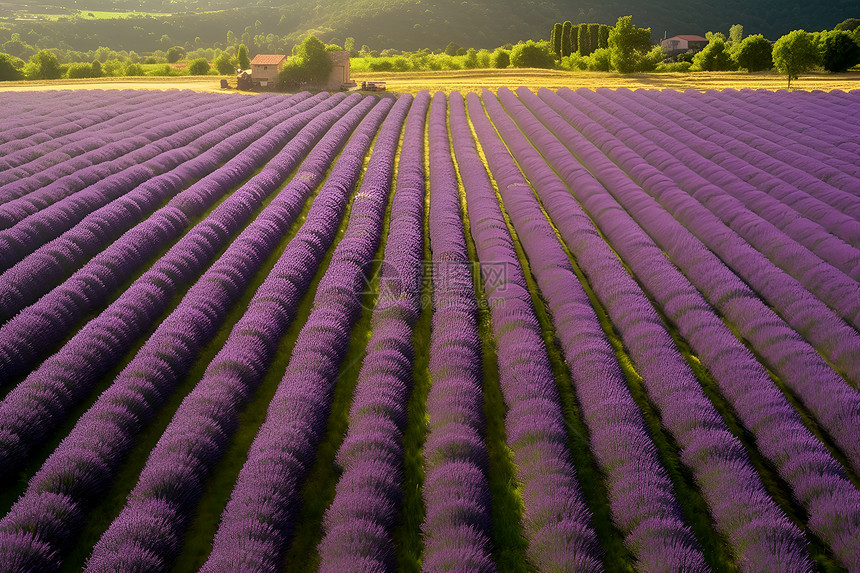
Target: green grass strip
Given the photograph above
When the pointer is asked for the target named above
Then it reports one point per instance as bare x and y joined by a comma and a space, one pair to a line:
506, 532
201, 532
616, 556
11, 491
408, 539
319, 488
103, 513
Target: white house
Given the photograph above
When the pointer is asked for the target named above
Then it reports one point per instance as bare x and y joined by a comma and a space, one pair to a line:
683, 43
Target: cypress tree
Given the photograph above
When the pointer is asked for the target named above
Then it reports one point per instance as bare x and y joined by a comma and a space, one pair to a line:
565, 38
574, 39
593, 36
584, 41
603, 36
556, 39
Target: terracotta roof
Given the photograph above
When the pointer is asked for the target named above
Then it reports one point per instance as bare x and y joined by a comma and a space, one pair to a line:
267, 60
689, 38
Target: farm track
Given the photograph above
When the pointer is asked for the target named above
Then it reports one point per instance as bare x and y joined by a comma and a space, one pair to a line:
521, 330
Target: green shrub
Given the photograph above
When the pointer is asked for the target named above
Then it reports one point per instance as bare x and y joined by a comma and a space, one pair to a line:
112, 68
471, 60
175, 54
133, 70
839, 51
600, 60
10, 68
163, 70
754, 53
501, 59
224, 64
681, 67
198, 67
79, 70
715, 57
400, 64
575, 61
629, 46
379, 65
452, 49
43, 65
532, 55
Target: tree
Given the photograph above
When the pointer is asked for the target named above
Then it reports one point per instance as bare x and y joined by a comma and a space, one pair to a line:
629, 46
755, 53
557, 33
174, 54
79, 70
17, 48
313, 56
103, 53
501, 59
10, 68
594, 36
583, 41
349, 45
736, 34
452, 49
132, 69
43, 65
565, 38
603, 36
715, 57
839, 51
242, 57
224, 64
310, 63
96, 69
471, 61
532, 55
849, 24
795, 53
600, 60
198, 67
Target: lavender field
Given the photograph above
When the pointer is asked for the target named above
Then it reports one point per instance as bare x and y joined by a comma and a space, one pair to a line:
603, 330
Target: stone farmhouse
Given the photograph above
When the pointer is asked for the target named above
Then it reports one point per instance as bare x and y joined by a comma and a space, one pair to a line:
266, 67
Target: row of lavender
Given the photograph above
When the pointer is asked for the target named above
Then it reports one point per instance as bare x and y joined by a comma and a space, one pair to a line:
753, 286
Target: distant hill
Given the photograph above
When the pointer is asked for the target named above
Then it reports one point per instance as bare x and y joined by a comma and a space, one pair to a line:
413, 24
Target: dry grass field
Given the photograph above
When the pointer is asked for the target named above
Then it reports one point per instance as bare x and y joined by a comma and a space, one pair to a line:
475, 80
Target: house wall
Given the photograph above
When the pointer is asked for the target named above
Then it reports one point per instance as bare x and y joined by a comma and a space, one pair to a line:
339, 71
675, 45
268, 74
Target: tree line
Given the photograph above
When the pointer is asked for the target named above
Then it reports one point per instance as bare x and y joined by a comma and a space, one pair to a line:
797, 52
624, 48
567, 38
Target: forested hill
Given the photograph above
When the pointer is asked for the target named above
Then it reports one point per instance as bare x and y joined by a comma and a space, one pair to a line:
413, 24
